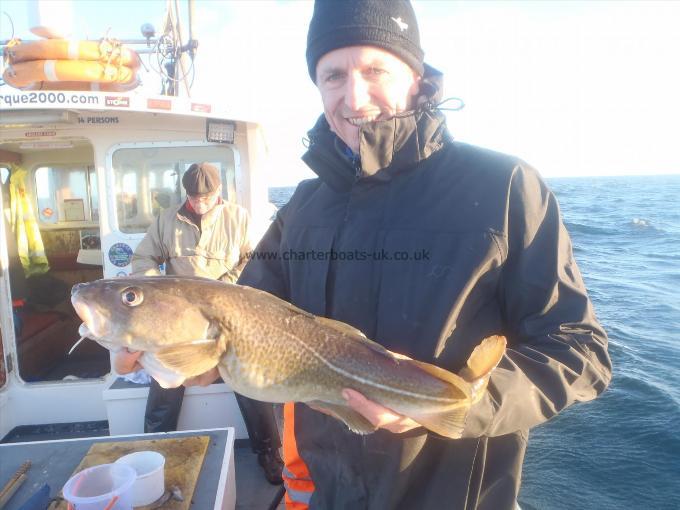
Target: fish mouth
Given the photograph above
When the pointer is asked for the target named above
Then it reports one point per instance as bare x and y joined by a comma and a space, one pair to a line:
93, 325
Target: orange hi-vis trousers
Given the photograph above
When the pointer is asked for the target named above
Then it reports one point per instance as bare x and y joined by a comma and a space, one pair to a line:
296, 477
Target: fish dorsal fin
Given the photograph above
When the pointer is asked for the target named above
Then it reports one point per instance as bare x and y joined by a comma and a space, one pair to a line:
261, 294
345, 329
484, 358
341, 327
449, 423
192, 358
354, 421
354, 334
400, 356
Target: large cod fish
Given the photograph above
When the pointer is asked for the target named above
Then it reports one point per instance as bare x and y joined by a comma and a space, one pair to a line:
269, 350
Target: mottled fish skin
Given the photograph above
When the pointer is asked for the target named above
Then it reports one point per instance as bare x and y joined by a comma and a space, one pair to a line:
268, 349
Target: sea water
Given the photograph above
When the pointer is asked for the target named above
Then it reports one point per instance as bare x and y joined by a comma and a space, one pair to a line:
622, 450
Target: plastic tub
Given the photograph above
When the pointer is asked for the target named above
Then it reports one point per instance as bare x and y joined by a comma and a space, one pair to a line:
94, 488
150, 482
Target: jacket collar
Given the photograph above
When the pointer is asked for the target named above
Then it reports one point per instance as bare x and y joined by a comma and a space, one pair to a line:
186, 213
385, 147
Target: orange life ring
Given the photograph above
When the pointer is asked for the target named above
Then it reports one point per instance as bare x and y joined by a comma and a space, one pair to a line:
105, 51
82, 85
25, 73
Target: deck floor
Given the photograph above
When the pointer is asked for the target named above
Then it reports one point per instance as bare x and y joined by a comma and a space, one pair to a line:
253, 492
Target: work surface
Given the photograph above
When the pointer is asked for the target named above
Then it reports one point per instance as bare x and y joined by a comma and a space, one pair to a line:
53, 462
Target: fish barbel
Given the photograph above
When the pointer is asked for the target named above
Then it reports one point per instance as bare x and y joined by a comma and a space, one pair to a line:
269, 350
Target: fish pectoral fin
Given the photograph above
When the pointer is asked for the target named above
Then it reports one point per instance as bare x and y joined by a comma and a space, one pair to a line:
356, 423
165, 377
190, 359
448, 423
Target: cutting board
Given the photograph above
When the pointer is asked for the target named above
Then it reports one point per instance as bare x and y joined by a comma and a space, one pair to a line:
183, 460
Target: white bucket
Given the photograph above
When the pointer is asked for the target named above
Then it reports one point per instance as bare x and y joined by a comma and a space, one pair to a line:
150, 482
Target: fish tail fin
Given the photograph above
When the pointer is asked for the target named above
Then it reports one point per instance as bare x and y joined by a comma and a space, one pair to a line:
475, 376
481, 363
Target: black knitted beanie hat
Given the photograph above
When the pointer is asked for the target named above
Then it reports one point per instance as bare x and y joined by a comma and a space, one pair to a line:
387, 24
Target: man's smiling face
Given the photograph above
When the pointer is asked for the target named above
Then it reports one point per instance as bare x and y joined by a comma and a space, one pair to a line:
360, 84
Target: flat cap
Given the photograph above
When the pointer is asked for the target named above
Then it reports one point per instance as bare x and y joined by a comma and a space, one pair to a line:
201, 178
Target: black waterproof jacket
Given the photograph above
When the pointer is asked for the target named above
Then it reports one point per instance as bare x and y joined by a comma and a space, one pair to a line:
428, 246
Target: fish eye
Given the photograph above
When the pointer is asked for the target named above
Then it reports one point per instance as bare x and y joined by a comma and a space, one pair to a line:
132, 296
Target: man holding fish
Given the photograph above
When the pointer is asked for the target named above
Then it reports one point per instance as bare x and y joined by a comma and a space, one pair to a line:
391, 178
490, 334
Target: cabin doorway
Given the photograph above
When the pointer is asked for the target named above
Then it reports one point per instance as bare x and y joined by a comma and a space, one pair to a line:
50, 203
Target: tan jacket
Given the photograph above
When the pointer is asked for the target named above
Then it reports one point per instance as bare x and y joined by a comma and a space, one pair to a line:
218, 251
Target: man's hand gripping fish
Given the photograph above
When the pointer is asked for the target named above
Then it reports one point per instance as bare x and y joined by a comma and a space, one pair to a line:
269, 350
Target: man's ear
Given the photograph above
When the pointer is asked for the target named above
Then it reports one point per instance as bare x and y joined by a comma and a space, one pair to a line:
414, 90
415, 86
420, 94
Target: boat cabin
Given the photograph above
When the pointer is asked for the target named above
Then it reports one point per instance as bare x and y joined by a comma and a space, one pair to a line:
83, 175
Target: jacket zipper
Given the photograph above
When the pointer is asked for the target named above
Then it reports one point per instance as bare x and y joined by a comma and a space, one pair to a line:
356, 166
356, 163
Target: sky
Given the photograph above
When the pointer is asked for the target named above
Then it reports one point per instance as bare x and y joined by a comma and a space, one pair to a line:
573, 88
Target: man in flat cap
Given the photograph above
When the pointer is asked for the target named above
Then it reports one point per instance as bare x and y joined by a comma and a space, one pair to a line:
208, 237
392, 181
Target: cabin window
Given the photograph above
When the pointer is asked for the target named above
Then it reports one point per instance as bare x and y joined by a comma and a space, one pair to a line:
93, 194
149, 180
4, 174
66, 194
